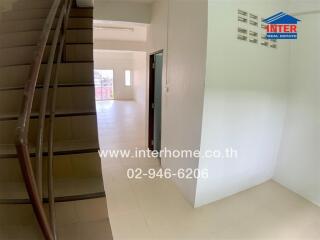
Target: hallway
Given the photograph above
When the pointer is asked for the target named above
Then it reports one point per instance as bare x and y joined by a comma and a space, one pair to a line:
155, 209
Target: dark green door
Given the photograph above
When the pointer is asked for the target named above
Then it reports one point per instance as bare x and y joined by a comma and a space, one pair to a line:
155, 101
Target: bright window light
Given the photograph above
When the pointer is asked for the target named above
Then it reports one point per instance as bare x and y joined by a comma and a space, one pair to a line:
128, 82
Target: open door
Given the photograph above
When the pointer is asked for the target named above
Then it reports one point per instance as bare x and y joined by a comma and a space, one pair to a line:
155, 101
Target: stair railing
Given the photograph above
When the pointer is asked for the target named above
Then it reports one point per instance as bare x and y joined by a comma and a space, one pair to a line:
58, 15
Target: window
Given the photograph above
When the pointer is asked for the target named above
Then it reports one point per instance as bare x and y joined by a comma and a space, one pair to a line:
103, 80
128, 81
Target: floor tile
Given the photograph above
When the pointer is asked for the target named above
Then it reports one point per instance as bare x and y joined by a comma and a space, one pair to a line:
154, 209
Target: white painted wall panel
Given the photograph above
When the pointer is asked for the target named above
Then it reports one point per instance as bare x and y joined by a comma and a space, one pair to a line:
298, 165
244, 105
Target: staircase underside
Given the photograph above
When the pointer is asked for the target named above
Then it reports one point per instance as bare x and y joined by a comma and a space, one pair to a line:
79, 192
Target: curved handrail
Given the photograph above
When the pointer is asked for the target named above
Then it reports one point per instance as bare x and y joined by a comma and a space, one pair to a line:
22, 131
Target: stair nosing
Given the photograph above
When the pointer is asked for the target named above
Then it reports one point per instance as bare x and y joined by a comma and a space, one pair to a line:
55, 153
34, 45
70, 198
28, 64
41, 18
68, 85
57, 115
48, 45
23, 10
39, 30
51, 29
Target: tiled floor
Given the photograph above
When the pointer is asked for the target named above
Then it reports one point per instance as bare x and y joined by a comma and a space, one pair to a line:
154, 209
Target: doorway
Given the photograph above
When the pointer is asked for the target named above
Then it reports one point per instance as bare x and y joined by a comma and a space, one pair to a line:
155, 101
103, 81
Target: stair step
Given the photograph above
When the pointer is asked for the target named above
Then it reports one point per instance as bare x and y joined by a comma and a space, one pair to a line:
63, 188
75, 128
37, 25
69, 100
24, 55
69, 73
18, 222
22, 14
79, 53
79, 36
80, 23
87, 165
18, 55
79, 220
22, 25
32, 37
40, 4
74, 175
81, 12
60, 148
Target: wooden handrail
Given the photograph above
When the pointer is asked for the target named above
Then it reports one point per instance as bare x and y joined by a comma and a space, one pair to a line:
34, 183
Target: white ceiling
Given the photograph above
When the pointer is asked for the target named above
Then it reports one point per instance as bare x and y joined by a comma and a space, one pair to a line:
123, 31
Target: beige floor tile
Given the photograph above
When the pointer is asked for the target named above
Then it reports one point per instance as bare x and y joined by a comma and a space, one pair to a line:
121, 200
96, 230
130, 226
156, 210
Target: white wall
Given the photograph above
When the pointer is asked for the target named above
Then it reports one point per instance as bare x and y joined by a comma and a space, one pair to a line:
140, 93
119, 62
245, 99
244, 104
157, 39
140, 79
298, 165
137, 12
184, 42
298, 6
119, 45
158, 29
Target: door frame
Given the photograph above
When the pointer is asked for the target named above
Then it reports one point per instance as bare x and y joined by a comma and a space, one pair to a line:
151, 98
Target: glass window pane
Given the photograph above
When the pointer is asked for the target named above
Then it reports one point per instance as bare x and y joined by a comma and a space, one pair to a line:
127, 78
103, 84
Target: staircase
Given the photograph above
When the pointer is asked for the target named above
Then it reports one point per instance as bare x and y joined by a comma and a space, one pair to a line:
61, 195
